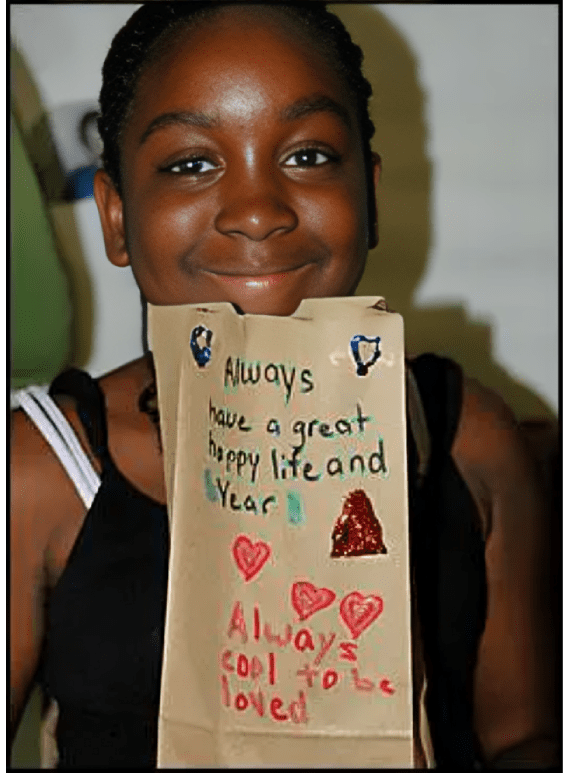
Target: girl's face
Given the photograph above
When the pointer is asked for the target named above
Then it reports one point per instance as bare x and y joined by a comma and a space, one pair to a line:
243, 172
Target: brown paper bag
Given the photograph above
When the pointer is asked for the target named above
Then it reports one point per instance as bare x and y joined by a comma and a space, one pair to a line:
288, 618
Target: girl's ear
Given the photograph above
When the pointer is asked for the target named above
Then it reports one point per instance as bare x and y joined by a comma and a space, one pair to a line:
110, 206
373, 212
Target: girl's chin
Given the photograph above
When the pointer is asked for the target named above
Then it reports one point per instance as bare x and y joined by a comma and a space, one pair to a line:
276, 294
266, 307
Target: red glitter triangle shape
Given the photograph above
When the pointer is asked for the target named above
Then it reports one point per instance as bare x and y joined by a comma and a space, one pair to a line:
357, 531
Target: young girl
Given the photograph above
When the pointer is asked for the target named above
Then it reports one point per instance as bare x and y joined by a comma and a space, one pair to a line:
238, 167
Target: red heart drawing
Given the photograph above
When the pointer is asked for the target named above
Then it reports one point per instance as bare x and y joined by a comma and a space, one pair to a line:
358, 611
249, 556
307, 599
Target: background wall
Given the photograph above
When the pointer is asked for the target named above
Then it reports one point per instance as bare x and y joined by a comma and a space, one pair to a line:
466, 112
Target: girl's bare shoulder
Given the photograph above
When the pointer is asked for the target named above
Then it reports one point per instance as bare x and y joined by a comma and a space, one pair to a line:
515, 678
46, 509
32, 455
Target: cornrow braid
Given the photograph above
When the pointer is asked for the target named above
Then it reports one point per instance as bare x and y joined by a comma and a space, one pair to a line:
141, 39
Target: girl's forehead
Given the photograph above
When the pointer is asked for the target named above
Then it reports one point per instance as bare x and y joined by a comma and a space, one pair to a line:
243, 21
242, 69
246, 38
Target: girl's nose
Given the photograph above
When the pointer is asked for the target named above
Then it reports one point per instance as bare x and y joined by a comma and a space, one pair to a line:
255, 211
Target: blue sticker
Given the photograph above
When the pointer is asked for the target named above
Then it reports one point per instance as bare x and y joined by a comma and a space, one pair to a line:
362, 367
295, 510
211, 490
202, 353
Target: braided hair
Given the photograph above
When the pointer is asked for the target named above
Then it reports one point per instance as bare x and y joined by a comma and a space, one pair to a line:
141, 40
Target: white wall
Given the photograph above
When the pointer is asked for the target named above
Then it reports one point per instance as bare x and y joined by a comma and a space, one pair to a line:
489, 73
490, 78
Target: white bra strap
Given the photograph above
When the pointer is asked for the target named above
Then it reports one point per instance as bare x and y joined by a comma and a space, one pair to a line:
57, 431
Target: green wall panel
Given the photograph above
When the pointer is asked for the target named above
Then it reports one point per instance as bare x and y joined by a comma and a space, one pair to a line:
41, 307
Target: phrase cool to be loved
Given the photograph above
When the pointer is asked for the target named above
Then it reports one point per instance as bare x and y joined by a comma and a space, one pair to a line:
328, 661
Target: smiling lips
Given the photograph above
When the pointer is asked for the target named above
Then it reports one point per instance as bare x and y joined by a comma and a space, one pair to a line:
263, 282
277, 293
256, 281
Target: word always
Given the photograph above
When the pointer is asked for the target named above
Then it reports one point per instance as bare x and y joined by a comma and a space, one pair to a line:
240, 372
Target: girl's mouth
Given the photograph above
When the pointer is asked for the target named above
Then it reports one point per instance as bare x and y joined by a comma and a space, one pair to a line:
258, 282
274, 293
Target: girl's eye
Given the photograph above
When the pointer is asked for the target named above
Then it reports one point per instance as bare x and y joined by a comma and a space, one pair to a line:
308, 157
192, 166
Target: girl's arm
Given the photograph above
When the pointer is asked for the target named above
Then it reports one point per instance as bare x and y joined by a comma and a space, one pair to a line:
515, 713
45, 516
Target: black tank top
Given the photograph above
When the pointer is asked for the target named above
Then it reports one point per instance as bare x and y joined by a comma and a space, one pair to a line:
104, 641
